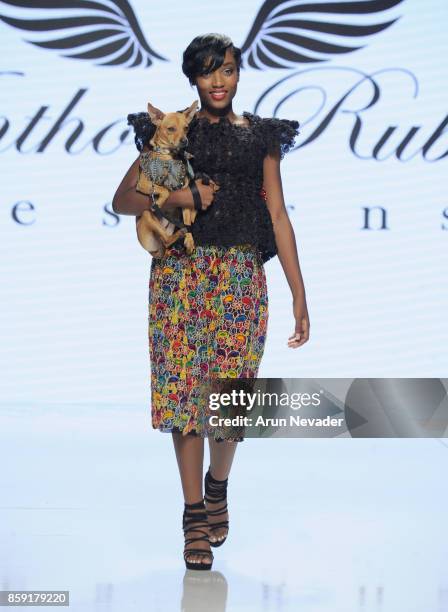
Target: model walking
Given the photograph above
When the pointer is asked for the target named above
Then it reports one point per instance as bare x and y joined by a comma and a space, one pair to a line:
208, 311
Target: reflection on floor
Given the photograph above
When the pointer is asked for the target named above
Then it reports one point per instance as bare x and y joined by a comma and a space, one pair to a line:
91, 503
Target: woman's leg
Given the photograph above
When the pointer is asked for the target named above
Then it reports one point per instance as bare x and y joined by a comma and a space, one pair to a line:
221, 458
190, 459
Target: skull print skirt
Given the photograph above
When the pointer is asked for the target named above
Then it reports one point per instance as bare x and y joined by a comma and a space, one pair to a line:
207, 319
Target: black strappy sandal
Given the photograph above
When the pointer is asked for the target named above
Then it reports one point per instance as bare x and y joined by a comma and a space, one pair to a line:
216, 491
196, 521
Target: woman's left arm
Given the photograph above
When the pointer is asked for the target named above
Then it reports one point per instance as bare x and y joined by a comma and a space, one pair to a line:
286, 246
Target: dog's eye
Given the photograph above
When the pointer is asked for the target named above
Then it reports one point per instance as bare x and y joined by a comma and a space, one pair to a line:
171, 129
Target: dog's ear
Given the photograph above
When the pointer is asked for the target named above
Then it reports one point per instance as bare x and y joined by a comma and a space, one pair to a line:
191, 111
155, 114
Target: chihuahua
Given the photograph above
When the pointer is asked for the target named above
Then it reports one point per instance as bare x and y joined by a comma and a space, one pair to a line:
165, 167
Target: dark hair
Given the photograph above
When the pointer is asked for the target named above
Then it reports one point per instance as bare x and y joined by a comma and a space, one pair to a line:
206, 46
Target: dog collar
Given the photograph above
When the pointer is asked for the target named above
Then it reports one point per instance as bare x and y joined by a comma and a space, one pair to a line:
165, 149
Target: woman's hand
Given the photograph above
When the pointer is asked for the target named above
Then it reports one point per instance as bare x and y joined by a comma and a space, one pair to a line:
206, 191
183, 198
302, 329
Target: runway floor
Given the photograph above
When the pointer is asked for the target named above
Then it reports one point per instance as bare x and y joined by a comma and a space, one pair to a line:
91, 503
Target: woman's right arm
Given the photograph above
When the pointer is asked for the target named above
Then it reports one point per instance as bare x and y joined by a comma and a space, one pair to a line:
128, 201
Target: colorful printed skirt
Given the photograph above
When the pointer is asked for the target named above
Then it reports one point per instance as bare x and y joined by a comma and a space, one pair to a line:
208, 316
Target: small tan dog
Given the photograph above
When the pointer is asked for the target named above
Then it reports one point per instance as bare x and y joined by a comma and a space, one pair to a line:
163, 168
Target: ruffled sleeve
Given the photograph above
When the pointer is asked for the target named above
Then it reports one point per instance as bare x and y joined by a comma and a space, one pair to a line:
279, 134
144, 129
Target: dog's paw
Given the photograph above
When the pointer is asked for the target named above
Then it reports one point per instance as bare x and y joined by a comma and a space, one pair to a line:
189, 243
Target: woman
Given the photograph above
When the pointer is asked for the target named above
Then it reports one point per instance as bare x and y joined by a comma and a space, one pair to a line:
208, 312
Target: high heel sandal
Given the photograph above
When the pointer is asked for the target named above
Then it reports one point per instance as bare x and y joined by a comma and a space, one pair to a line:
216, 491
196, 521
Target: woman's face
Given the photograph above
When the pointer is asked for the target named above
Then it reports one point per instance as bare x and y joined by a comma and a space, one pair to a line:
217, 89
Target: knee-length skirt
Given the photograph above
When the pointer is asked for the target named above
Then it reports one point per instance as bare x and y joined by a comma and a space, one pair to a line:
207, 318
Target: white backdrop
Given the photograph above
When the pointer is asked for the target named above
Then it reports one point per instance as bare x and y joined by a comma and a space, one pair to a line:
75, 279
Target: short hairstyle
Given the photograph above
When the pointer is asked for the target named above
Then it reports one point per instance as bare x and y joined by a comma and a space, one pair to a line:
206, 46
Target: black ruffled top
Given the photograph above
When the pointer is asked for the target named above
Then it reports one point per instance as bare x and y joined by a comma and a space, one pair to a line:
232, 155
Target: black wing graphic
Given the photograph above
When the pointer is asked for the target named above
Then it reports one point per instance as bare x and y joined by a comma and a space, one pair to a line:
287, 33
105, 32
